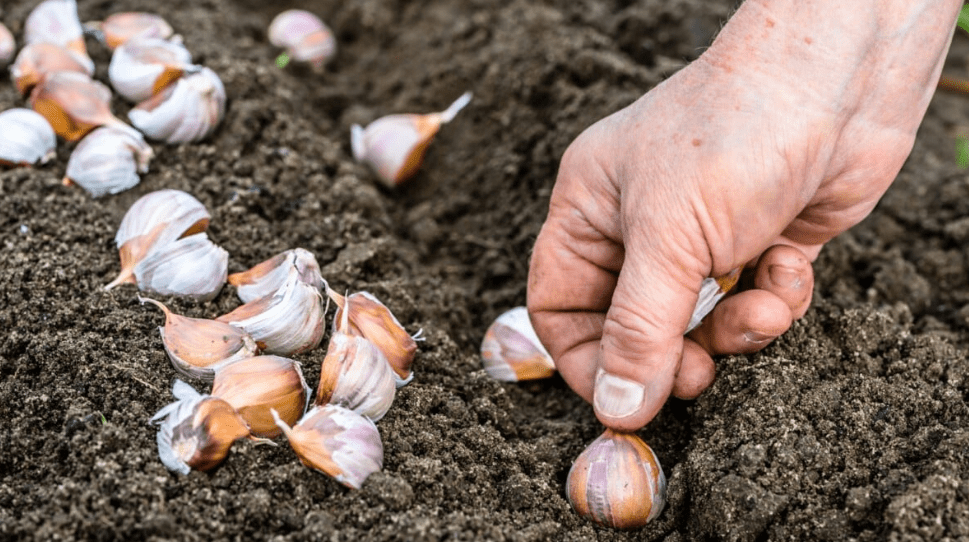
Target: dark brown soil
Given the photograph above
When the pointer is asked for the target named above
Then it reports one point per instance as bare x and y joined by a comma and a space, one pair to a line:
853, 425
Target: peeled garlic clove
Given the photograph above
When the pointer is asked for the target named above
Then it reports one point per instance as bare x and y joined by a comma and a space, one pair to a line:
255, 385
108, 160
617, 482
56, 21
7, 45
186, 111
711, 291
39, 59
512, 352
196, 431
338, 442
268, 277
192, 266
73, 103
25, 138
143, 67
198, 347
394, 145
119, 28
304, 36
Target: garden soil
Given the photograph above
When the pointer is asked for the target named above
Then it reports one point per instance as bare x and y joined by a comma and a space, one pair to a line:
853, 425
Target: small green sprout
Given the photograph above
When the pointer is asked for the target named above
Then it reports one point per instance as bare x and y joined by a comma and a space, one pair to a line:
282, 60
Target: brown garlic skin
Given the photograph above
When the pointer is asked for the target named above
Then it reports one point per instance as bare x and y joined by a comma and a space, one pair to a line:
118, 28
512, 352
256, 385
38, 59
74, 104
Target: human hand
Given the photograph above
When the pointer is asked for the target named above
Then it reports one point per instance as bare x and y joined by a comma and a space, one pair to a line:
784, 134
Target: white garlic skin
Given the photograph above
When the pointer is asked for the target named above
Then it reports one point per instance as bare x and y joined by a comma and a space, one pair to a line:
511, 350
38, 59
355, 374
304, 35
178, 211
192, 266
25, 137
258, 385
268, 277
56, 21
142, 67
187, 111
712, 291
108, 160
7, 45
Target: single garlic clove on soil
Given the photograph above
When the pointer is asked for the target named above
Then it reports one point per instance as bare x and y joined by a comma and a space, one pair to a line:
143, 67
7, 45
256, 385
512, 352
394, 145
186, 111
617, 482
304, 36
56, 21
39, 59
338, 442
119, 28
26, 138
266, 278
73, 103
192, 266
108, 160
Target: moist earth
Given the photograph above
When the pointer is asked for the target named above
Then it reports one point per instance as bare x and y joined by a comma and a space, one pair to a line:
853, 425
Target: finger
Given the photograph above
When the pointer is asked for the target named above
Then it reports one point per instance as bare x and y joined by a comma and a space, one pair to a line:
786, 272
696, 373
743, 323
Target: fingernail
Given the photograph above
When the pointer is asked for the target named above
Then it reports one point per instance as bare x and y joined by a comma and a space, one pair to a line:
758, 338
784, 276
617, 397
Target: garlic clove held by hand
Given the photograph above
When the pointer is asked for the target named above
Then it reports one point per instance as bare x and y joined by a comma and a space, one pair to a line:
255, 385
39, 59
266, 278
196, 431
511, 351
304, 36
143, 67
26, 138
198, 347
7, 45
74, 104
394, 145
338, 442
108, 160
712, 290
56, 21
192, 266
186, 111
119, 28
617, 482
372, 319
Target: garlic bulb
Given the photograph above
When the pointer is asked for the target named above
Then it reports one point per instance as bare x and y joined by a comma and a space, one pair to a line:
394, 145
25, 138
711, 291
304, 36
73, 103
266, 278
38, 59
196, 431
108, 160
372, 319
256, 385
192, 266
617, 482
56, 21
338, 442
512, 352
119, 28
186, 111
198, 347
143, 67
7, 45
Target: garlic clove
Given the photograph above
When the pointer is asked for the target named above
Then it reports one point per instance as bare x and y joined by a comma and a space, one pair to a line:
119, 28
108, 160
255, 385
198, 347
394, 146
304, 36
25, 138
192, 266
73, 103
267, 277
56, 21
7, 45
511, 350
712, 290
188, 110
338, 442
196, 431
143, 67
372, 319
617, 482
38, 59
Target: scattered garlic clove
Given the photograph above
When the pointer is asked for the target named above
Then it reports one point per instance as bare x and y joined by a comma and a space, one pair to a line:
394, 145
512, 352
192, 266
255, 385
74, 104
25, 138
7, 45
373, 320
266, 278
304, 36
198, 347
56, 21
108, 160
38, 59
196, 431
186, 111
711, 291
143, 67
617, 482
338, 442
119, 28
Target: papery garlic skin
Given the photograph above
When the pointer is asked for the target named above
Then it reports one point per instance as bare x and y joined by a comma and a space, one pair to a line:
192, 266
187, 111
56, 21
37, 60
712, 291
255, 385
617, 481
119, 28
26, 138
266, 278
338, 442
108, 160
196, 431
511, 350
73, 103
356, 374
7, 45
178, 211
304, 36
143, 67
